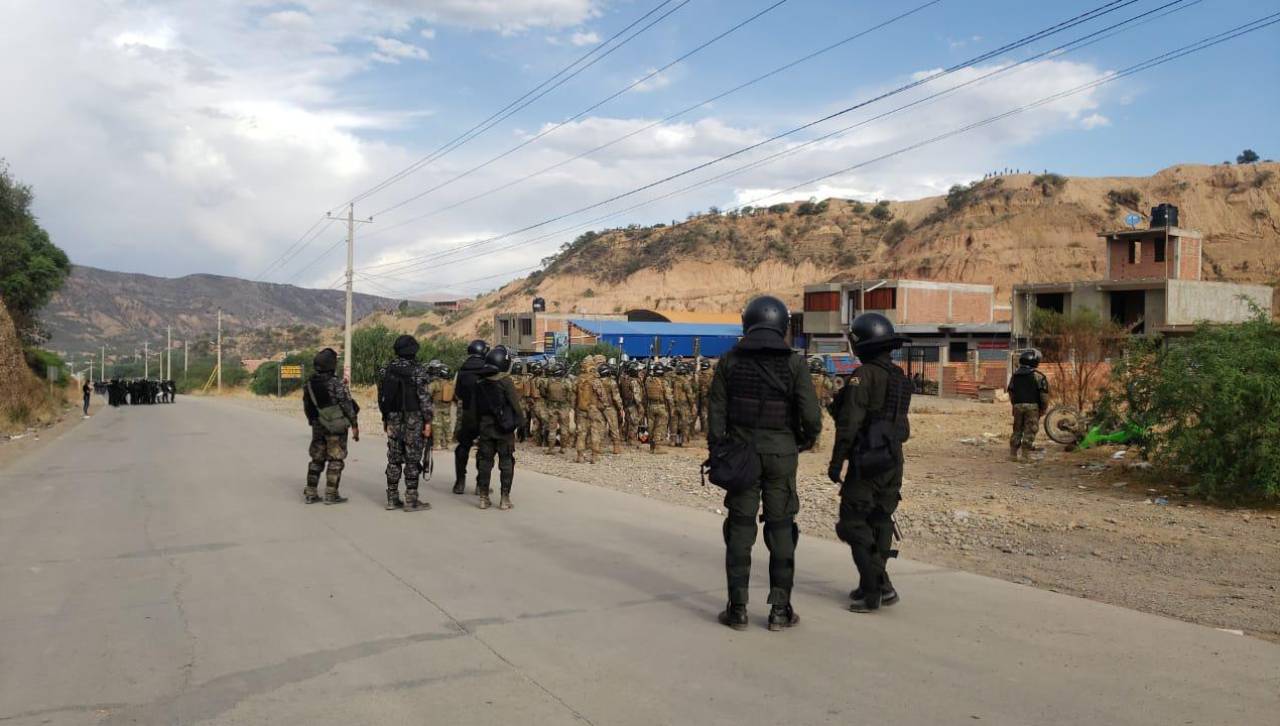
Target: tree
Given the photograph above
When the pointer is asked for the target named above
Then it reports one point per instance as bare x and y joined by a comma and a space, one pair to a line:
32, 268
1248, 156
1076, 347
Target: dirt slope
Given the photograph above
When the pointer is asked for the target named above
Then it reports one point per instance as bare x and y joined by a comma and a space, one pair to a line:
1003, 231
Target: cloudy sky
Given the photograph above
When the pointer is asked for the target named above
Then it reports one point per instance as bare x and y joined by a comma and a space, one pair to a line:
192, 136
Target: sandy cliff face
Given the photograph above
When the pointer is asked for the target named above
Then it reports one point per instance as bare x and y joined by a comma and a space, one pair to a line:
1002, 231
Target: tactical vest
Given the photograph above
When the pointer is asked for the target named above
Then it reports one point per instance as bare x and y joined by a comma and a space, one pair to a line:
754, 401
318, 385
1024, 386
558, 391
897, 400
654, 391
587, 398
397, 391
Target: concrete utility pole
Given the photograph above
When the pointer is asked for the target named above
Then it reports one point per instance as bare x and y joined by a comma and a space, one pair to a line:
146, 359
168, 352
351, 260
184, 360
219, 351
103, 367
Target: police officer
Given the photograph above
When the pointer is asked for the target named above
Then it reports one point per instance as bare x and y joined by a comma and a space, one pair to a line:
1029, 394
324, 392
614, 407
703, 377
761, 393
590, 398
467, 427
822, 383
407, 415
537, 403
494, 392
633, 402
871, 426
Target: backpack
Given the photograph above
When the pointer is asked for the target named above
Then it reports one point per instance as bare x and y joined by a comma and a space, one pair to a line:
494, 404
331, 418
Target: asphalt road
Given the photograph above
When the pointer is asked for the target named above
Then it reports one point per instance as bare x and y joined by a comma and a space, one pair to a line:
159, 567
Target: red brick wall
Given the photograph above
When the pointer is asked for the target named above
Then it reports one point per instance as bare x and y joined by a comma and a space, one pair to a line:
1189, 261
1143, 268
970, 307
958, 378
922, 305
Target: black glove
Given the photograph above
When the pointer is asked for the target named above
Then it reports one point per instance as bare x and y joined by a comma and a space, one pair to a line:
835, 470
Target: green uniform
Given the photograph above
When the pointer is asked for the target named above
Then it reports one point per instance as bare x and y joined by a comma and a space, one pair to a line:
746, 405
877, 389
558, 393
658, 403
492, 443
442, 391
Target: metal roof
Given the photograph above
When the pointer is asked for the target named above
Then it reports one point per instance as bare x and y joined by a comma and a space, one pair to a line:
921, 328
623, 327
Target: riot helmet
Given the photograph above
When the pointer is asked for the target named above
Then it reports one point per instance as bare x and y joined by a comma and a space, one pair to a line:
1030, 358
872, 333
816, 365
498, 358
478, 347
326, 361
406, 346
766, 313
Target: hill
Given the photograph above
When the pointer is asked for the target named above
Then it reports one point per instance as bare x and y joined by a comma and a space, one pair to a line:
1003, 230
118, 309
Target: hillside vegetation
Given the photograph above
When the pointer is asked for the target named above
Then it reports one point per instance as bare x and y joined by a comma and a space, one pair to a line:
1003, 231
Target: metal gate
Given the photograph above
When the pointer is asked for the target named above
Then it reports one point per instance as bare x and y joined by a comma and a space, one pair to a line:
923, 365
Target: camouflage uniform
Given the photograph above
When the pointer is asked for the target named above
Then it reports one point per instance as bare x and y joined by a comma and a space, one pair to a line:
633, 400
538, 402
589, 401
823, 386
442, 395
403, 384
703, 382
558, 392
328, 451
685, 408
614, 410
658, 404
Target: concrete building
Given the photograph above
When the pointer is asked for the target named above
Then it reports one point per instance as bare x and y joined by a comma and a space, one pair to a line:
1153, 285
948, 321
538, 331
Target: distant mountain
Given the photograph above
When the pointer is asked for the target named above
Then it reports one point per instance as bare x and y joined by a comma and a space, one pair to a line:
97, 307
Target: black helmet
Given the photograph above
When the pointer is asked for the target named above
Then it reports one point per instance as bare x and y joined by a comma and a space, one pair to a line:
633, 368
442, 371
657, 369
816, 365
536, 367
478, 347
872, 332
1030, 358
498, 358
326, 360
557, 369
405, 346
768, 313
705, 365
602, 370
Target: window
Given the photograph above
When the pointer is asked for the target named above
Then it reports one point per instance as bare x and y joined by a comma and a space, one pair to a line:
1134, 253
526, 326
958, 351
1159, 251
885, 298
506, 327
822, 302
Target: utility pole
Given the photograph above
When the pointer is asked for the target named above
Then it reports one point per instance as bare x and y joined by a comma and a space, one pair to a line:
184, 360
351, 260
103, 367
168, 351
219, 351
146, 359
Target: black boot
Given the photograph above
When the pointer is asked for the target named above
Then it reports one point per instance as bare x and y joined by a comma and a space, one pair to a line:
888, 596
412, 503
868, 603
782, 617
734, 616
331, 496
460, 486
310, 495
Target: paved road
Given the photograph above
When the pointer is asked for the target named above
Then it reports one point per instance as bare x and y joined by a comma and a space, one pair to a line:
158, 567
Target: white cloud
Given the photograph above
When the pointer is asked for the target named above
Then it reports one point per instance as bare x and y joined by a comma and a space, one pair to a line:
428, 33
660, 81
1095, 120
289, 20
588, 38
390, 50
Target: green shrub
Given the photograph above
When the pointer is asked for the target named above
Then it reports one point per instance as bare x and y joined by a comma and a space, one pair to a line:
40, 361
896, 232
1128, 198
858, 208
577, 353
1050, 184
779, 209
881, 211
1213, 403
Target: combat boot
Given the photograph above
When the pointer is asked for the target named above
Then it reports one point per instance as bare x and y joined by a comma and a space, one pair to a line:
868, 603
310, 495
505, 502
888, 596
484, 500
782, 617
393, 500
734, 616
460, 486
412, 503
578, 458
331, 496
1013, 453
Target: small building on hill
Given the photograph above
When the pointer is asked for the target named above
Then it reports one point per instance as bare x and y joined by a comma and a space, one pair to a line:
1153, 284
538, 331
644, 340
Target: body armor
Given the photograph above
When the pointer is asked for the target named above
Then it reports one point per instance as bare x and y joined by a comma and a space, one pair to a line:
754, 401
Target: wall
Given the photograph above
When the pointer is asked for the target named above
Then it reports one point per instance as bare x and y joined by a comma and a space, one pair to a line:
1154, 314
1189, 267
1144, 268
932, 303
1192, 301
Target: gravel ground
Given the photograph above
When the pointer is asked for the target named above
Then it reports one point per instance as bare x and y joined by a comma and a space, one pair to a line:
1081, 523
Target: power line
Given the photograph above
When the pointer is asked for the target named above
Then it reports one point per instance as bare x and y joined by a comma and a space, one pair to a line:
1104, 9
650, 76
284, 257
665, 119
1148, 64
537, 92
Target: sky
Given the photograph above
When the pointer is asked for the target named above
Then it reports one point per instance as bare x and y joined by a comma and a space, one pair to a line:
187, 136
